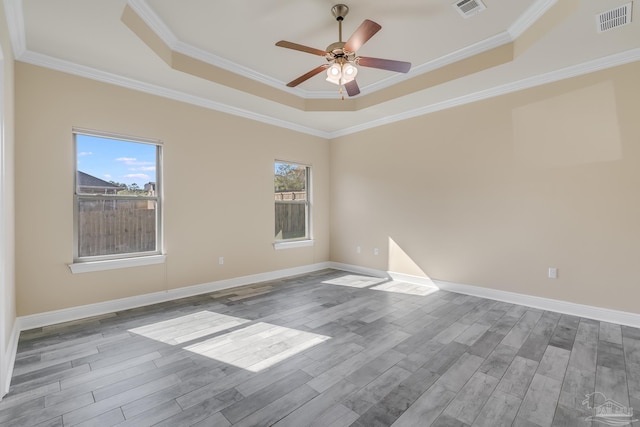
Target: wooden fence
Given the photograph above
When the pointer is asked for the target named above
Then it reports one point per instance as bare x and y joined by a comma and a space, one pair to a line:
119, 230
291, 195
107, 232
290, 220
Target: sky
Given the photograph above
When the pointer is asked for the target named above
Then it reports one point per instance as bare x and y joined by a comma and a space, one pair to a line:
115, 160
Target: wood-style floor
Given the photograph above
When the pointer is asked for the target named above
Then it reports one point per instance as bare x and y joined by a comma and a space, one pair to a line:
324, 349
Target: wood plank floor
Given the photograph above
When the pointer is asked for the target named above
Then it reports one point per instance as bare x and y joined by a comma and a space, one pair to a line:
324, 349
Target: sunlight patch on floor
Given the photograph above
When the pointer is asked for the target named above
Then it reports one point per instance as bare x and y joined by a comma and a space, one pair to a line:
381, 284
356, 281
189, 327
258, 346
406, 288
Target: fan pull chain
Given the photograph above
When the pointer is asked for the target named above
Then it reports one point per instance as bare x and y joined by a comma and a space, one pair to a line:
341, 94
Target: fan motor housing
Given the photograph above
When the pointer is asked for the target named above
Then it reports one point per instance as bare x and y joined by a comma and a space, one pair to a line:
336, 50
340, 11
342, 60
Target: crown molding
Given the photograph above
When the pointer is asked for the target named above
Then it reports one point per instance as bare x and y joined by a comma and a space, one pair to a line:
565, 73
15, 23
535, 12
448, 59
160, 28
599, 64
154, 22
129, 83
218, 61
15, 19
464, 53
148, 15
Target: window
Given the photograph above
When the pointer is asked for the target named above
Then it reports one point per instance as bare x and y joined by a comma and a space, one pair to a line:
292, 201
117, 197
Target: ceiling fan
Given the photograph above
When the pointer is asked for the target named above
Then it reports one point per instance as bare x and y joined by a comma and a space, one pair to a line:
342, 58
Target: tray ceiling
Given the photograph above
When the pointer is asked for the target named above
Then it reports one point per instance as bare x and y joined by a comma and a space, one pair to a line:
222, 55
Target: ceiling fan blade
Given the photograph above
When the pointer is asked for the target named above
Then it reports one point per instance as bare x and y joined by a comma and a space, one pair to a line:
365, 31
307, 76
302, 48
385, 64
352, 88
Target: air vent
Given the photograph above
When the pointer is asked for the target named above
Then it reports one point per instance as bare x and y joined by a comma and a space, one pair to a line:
614, 18
469, 8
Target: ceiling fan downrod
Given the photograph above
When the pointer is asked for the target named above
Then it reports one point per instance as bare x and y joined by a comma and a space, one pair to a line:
342, 57
339, 11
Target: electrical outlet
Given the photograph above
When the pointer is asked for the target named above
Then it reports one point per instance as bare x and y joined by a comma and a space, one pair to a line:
358, 249
221, 260
553, 273
376, 251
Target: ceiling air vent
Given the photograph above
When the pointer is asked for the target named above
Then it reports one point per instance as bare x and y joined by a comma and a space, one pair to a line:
469, 8
614, 18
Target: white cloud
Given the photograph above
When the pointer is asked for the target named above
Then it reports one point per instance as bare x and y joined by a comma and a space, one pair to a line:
84, 153
106, 175
143, 169
137, 176
132, 161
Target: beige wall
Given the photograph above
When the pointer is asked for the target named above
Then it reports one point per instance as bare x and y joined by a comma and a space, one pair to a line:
7, 278
218, 179
494, 193
489, 194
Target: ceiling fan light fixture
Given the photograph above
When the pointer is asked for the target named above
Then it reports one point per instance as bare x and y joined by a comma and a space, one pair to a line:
342, 68
340, 74
334, 74
349, 72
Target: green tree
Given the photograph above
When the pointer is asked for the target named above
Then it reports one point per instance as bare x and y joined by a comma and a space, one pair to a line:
289, 177
122, 185
131, 190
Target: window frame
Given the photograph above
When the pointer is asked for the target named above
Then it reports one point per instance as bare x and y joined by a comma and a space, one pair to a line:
307, 240
104, 262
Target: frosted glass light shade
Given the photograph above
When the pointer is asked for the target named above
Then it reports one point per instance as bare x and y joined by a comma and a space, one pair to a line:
349, 73
340, 74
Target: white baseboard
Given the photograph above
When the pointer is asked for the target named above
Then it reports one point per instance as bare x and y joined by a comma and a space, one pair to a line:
564, 307
75, 313
358, 270
10, 358
400, 277
416, 280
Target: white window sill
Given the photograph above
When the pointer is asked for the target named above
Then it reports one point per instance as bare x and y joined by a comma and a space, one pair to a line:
290, 245
113, 264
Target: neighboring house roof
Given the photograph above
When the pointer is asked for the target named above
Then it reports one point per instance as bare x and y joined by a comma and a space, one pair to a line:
86, 180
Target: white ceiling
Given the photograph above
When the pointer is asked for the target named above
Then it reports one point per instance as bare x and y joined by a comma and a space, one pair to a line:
89, 38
